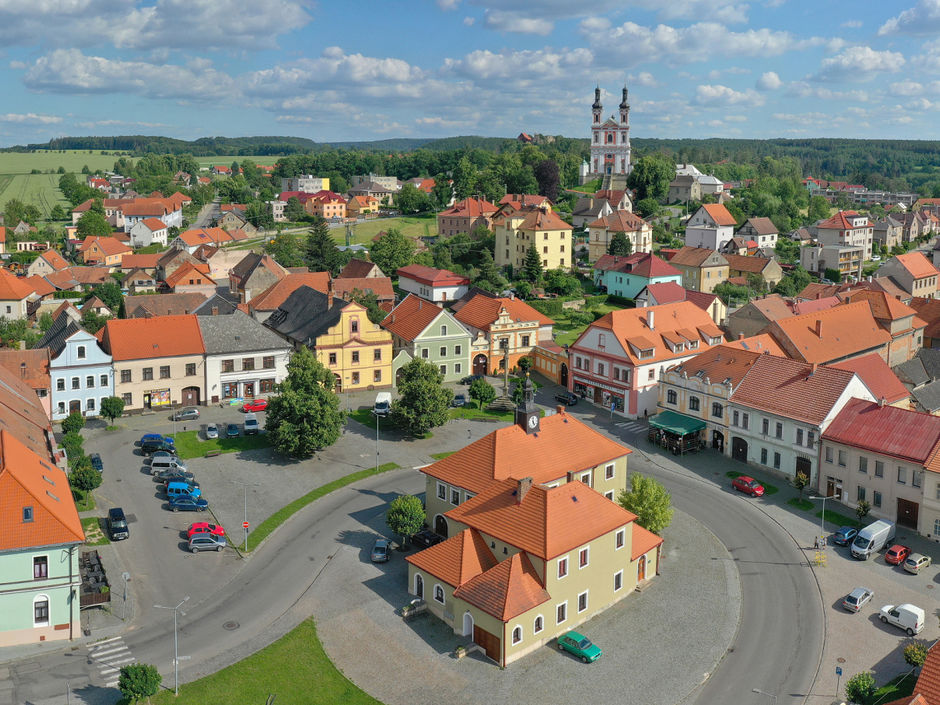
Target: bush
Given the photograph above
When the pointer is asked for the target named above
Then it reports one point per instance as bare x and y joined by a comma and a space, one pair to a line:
915, 654
84, 476
405, 516
73, 423
860, 687
139, 681
549, 308
72, 444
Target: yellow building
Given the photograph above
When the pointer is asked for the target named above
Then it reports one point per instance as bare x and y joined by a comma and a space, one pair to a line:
356, 350
518, 229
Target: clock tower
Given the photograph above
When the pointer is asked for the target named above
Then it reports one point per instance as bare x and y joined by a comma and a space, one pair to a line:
528, 415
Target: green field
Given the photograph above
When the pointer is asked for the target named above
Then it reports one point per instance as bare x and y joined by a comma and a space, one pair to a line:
42, 190
25, 162
266, 160
365, 231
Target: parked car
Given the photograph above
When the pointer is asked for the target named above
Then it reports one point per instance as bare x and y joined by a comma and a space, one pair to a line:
907, 617
897, 554
459, 400
844, 536
231, 430
857, 599
212, 431
117, 524
567, 398
916, 562
182, 489
875, 258
175, 475
255, 405
426, 538
580, 646
96, 463
251, 424
188, 413
188, 504
150, 443
204, 527
206, 542
165, 462
469, 379
748, 485
381, 550
165, 455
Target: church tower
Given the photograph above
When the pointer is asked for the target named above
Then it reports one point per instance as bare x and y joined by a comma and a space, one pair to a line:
610, 140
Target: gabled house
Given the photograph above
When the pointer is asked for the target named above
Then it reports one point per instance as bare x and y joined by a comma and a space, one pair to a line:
359, 206
103, 250
602, 230
421, 329
171, 260
769, 270
149, 231
191, 278
618, 360
32, 368
360, 269
498, 325
627, 276
327, 205
672, 293
80, 371
437, 285
147, 263
914, 273
357, 351
888, 232
190, 240
151, 305
346, 287
881, 381
48, 262
236, 220
847, 229
899, 320
761, 230
538, 227
587, 209
702, 269
268, 301
710, 227
14, 296
139, 281
255, 273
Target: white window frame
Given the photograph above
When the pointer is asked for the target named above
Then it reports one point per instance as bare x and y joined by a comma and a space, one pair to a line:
586, 478
442, 491
587, 553
609, 495
620, 536
437, 586
618, 574
536, 629
562, 562
42, 597
610, 471
516, 629
586, 603
564, 606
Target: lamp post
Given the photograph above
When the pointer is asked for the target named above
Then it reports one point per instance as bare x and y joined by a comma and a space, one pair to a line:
761, 692
822, 517
246, 485
126, 576
176, 641
376, 440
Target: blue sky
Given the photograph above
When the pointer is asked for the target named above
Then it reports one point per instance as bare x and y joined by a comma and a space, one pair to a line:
415, 68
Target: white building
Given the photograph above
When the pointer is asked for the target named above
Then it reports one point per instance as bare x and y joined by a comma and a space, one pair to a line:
710, 227
81, 374
305, 183
437, 285
150, 231
610, 139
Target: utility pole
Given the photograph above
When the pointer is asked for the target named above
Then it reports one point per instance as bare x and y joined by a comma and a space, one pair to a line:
176, 641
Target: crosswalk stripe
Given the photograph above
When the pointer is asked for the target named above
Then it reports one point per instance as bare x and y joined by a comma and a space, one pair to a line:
117, 661
105, 641
112, 650
111, 684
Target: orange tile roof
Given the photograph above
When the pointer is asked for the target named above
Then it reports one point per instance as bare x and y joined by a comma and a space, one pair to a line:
271, 298
470, 208
760, 343
877, 376
744, 263
380, 286
840, 222
695, 257
547, 522
792, 389
55, 260
483, 311
12, 288
27, 480
132, 261
510, 589
523, 200
203, 236
31, 366
929, 311
456, 560
154, 224
928, 682
619, 221
917, 264
883, 307
357, 268
644, 541
563, 445
818, 290
145, 338
40, 285
431, 275
107, 245
719, 364
194, 274
411, 317
844, 331
719, 214
149, 206
798, 308
543, 219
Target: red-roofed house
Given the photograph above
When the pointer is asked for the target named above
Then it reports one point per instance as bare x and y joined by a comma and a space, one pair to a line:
421, 329
48, 262
191, 278
435, 285
538, 227
14, 293
710, 227
879, 378
847, 229
627, 276
362, 205
618, 360
268, 301
149, 231
889, 457
500, 324
914, 273
898, 319
672, 293
601, 232
537, 546
465, 216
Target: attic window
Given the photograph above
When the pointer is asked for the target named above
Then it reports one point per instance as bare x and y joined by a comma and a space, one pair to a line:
46, 478
27, 514
52, 495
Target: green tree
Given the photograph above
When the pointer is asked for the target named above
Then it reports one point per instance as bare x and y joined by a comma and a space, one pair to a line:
93, 224
111, 408
72, 444
57, 213
620, 245
651, 176
321, 252
294, 210
45, 321
833, 275
464, 177
442, 192
83, 476
860, 687
92, 321
818, 209
647, 208
405, 516
482, 392
862, 509
286, 250
422, 402
304, 416
368, 299
532, 266
138, 681
488, 275
915, 654
73, 423
393, 250
259, 214
411, 199
729, 292
110, 293
549, 180
649, 500
800, 482
793, 282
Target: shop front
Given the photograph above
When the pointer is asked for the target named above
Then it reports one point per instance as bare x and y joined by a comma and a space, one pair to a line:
156, 398
601, 394
679, 433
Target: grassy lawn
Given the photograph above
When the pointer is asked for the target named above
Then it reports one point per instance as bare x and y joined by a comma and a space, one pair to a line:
95, 534
367, 418
284, 513
803, 504
84, 501
838, 519
295, 668
415, 226
589, 187
70, 160
768, 489
441, 456
568, 330
475, 414
898, 687
188, 444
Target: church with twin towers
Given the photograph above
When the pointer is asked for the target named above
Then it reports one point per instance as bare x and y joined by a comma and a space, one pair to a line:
610, 143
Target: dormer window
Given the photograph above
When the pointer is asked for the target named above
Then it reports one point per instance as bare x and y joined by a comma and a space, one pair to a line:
81, 352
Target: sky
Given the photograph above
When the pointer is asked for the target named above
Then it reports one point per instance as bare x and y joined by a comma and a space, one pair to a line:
365, 70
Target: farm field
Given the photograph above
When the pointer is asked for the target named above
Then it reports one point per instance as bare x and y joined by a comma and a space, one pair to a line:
42, 190
73, 160
365, 231
267, 160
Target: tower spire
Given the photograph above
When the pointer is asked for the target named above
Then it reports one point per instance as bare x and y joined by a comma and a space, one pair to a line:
597, 99
624, 105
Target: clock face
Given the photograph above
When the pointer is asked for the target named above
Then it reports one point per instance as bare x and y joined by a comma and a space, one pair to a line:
533, 421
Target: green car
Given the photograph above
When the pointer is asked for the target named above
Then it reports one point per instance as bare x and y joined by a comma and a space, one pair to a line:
580, 646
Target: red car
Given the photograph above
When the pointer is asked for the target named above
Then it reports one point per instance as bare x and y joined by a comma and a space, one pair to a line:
203, 527
255, 405
897, 554
748, 485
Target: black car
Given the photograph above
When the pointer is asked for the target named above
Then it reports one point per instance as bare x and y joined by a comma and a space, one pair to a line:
152, 442
426, 538
117, 524
188, 504
96, 462
168, 476
567, 398
469, 379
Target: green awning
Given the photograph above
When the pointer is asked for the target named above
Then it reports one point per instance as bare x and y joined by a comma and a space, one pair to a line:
679, 424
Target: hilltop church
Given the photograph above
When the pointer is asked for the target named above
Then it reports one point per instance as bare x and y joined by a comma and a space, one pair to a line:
610, 144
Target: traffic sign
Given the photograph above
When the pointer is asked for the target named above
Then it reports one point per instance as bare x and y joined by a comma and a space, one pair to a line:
838, 670
244, 524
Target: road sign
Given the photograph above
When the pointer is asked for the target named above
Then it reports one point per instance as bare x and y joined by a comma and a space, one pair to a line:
838, 670
244, 524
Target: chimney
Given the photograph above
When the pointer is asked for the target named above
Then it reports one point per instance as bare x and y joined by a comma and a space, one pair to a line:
741, 335
813, 369
329, 294
819, 328
215, 310
525, 484
560, 409
881, 402
649, 318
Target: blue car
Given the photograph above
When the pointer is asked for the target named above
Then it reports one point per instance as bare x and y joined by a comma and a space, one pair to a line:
844, 536
187, 503
150, 443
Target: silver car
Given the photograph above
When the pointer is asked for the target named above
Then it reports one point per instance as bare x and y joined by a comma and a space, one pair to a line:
212, 431
186, 414
381, 550
857, 599
916, 562
206, 542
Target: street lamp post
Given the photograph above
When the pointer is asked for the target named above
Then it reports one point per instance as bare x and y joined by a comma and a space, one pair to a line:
176, 642
376, 440
246, 485
126, 576
822, 517
761, 692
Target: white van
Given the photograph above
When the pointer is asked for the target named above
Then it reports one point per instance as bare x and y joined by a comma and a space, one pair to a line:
908, 617
160, 464
383, 404
872, 539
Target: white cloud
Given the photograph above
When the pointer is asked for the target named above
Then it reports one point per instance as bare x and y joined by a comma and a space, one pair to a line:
525, 66
906, 87
929, 58
31, 118
448, 4
769, 81
517, 23
859, 64
645, 79
715, 95
468, 21
923, 18
851, 24
294, 118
